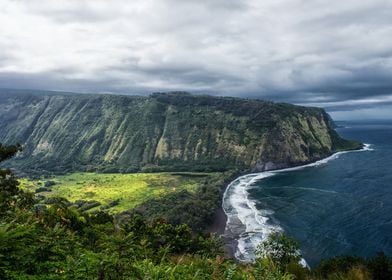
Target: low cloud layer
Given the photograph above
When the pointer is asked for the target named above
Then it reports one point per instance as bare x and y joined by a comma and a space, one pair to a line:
333, 54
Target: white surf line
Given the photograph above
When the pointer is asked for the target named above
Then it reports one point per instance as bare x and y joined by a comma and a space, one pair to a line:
245, 223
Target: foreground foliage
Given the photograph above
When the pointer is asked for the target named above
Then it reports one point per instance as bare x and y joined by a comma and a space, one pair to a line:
57, 241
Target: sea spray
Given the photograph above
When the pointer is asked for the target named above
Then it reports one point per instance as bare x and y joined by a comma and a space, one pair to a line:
247, 225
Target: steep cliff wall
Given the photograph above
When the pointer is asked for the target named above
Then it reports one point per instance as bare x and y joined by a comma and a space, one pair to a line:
174, 131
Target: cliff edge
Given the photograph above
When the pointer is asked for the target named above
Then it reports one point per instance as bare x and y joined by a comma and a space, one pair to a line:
64, 132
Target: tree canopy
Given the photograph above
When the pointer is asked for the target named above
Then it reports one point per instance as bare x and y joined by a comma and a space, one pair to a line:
57, 241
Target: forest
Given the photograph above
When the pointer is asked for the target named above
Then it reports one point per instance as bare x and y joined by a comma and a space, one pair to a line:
58, 241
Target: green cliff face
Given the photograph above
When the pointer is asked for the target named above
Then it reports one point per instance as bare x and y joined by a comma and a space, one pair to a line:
174, 131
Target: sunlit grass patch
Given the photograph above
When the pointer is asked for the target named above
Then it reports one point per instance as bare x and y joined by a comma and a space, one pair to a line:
126, 190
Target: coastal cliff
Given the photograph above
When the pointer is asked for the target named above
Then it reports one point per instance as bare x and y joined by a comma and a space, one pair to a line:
162, 132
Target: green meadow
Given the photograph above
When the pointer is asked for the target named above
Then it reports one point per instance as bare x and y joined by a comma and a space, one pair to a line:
115, 192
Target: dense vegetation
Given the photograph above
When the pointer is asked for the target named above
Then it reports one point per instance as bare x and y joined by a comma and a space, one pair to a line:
58, 241
163, 132
180, 197
114, 192
196, 209
75, 227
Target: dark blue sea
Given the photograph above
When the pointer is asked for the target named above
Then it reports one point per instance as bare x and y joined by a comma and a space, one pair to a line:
339, 206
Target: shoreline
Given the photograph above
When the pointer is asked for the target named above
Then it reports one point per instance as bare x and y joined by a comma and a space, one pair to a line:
221, 218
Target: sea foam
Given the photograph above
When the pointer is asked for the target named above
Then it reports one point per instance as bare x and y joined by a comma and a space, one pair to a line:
246, 224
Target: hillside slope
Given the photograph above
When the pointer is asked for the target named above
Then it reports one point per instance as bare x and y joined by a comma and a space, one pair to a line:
165, 131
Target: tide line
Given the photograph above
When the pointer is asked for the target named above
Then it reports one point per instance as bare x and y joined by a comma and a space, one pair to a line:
248, 225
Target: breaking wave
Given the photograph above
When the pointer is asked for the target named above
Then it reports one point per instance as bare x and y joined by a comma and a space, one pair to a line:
247, 225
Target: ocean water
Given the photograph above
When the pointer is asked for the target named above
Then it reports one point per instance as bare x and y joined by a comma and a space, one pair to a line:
340, 205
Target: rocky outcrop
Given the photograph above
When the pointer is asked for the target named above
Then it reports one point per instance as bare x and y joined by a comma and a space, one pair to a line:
165, 131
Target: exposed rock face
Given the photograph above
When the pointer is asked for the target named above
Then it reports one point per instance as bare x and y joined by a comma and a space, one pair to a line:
173, 131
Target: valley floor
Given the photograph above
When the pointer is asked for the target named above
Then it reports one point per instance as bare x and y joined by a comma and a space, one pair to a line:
114, 192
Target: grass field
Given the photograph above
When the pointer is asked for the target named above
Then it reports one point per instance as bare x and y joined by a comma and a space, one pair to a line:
126, 190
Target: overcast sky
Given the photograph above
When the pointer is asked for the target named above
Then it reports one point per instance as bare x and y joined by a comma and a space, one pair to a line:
333, 54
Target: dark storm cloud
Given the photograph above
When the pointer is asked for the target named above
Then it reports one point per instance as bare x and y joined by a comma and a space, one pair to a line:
334, 54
